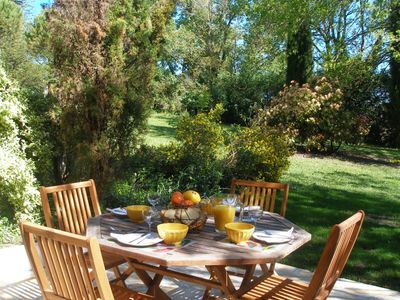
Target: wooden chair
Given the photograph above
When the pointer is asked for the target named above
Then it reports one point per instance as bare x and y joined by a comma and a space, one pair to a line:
73, 204
334, 257
261, 194
61, 269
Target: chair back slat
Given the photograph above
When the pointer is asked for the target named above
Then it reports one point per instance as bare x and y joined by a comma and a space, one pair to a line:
73, 205
263, 194
60, 266
334, 257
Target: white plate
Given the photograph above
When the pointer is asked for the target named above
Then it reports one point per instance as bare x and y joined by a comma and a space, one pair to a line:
271, 239
137, 239
118, 211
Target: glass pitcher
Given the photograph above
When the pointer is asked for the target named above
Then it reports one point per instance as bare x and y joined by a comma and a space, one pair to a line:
224, 209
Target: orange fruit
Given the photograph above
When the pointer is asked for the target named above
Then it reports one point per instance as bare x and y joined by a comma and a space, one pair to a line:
177, 198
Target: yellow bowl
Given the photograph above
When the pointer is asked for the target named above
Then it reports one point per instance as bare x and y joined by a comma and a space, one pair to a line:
172, 233
239, 232
137, 212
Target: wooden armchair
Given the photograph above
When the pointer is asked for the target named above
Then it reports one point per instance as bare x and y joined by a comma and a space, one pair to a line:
59, 263
331, 264
73, 204
261, 194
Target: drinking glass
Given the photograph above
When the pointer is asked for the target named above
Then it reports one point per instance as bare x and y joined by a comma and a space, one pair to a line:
255, 215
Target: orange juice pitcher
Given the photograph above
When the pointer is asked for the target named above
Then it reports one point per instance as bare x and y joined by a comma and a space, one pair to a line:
224, 208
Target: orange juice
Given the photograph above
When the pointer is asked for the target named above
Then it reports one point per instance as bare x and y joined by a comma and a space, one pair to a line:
209, 209
223, 214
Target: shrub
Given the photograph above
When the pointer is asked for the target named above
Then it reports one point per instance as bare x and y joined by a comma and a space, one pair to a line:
19, 197
200, 160
260, 153
315, 116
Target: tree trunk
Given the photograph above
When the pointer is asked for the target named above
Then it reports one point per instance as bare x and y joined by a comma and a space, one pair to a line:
299, 55
394, 105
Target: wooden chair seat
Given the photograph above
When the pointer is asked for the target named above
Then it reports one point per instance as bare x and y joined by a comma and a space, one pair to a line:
58, 261
331, 264
277, 288
263, 194
73, 204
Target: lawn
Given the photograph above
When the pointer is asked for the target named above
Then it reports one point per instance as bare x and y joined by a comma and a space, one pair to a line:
326, 190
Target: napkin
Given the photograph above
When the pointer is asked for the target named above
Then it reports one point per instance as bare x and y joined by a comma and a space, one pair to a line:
117, 211
278, 233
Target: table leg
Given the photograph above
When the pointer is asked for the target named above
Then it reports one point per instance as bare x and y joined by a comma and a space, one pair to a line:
248, 275
207, 291
226, 284
153, 284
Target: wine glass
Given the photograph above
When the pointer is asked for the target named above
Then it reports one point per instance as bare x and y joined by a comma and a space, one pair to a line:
255, 215
154, 200
149, 217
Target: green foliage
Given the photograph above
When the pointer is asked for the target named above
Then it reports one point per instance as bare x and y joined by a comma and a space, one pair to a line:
315, 116
200, 159
104, 60
9, 232
260, 153
19, 197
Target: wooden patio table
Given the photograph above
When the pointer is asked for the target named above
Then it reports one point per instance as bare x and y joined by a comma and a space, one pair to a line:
206, 248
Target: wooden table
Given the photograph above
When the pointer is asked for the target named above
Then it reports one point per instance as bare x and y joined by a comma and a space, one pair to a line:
206, 249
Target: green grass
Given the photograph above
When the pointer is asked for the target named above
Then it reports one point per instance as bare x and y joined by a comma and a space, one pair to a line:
372, 152
161, 129
326, 190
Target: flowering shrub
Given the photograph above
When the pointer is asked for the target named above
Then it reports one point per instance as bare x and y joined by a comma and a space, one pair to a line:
260, 153
315, 116
19, 197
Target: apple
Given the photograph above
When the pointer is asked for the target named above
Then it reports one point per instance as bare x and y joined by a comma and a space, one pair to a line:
192, 196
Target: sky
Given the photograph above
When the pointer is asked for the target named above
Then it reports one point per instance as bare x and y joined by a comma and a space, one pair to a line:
33, 7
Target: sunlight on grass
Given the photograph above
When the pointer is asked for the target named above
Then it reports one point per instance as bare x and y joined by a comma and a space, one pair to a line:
161, 129
325, 191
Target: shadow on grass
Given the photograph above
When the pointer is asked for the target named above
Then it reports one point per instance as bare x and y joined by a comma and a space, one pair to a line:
161, 131
375, 257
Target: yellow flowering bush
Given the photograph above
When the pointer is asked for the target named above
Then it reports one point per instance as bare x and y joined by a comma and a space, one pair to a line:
260, 153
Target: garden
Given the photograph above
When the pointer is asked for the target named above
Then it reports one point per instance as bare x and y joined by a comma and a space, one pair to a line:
153, 97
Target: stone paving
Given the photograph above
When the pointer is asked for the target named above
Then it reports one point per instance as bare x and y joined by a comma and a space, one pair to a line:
17, 281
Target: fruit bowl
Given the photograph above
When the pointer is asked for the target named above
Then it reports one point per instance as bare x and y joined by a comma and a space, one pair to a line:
172, 233
193, 217
239, 232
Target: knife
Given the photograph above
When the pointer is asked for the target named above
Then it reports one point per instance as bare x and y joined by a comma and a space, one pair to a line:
143, 238
135, 239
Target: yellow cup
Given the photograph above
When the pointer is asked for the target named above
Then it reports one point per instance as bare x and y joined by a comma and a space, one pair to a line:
239, 232
172, 233
223, 214
137, 212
